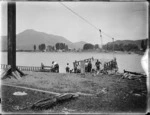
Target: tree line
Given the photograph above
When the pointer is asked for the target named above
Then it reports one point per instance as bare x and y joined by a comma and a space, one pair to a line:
58, 46
90, 46
119, 47
61, 46
144, 44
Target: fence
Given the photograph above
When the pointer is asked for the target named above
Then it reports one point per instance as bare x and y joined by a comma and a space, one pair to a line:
22, 68
110, 65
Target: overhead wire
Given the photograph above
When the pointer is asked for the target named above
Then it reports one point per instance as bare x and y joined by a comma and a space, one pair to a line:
79, 16
85, 20
91, 25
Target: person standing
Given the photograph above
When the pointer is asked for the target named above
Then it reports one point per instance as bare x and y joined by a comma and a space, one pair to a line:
89, 66
86, 66
97, 64
75, 66
42, 66
67, 68
78, 68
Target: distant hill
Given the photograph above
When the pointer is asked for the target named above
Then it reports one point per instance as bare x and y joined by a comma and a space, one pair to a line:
80, 44
26, 39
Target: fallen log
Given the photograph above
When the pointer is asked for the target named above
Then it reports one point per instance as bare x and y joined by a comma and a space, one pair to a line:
44, 104
50, 102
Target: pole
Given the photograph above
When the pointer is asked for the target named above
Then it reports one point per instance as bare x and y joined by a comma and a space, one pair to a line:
113, 46
101, 38
12, 35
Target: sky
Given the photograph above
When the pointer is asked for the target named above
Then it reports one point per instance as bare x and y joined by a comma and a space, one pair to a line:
119, 20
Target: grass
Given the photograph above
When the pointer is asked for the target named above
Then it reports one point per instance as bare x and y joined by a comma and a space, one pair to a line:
119, 96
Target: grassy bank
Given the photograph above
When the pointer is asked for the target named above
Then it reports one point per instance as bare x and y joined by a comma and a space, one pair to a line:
110, 93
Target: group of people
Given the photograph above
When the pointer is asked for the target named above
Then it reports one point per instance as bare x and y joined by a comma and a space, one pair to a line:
75, 70
87, 65
77, 67
111, 65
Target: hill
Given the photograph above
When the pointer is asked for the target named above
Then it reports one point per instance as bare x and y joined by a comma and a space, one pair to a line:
26, 39
79, 45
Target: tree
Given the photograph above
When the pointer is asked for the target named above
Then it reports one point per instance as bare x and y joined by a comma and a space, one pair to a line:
42, 47
116, 47
57, 46
144, 44
121, 47
66, 47
88, 46
131, 47
96, 46
34, 47
110, 47
61, 46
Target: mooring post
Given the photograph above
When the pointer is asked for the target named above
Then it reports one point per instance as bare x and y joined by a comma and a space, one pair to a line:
12, 35
11, 43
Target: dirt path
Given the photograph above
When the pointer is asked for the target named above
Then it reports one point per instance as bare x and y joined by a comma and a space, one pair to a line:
110, 93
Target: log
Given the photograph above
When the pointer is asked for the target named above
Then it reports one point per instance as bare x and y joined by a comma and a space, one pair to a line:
50, 102
44, 104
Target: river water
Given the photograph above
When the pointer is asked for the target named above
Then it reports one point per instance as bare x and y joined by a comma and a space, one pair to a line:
131, 62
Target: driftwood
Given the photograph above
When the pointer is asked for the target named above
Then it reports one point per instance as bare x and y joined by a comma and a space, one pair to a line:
50, 102
46, 103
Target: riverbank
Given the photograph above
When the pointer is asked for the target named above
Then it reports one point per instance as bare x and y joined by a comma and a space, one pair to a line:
84, 51
110, 93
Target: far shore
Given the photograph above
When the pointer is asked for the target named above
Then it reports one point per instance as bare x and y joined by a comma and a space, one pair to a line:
86, 51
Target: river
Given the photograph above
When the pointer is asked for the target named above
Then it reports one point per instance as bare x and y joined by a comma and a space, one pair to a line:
131, 62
